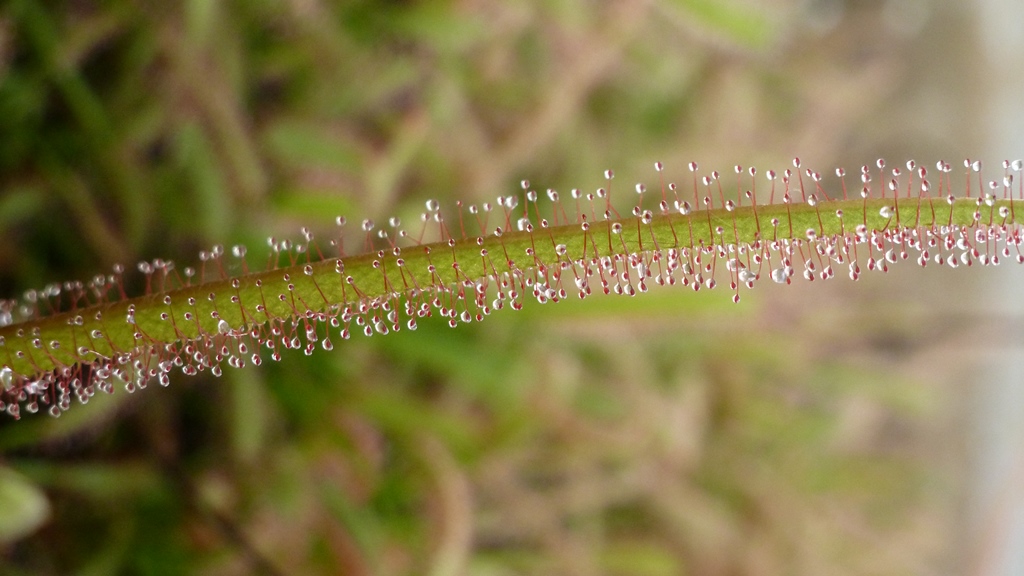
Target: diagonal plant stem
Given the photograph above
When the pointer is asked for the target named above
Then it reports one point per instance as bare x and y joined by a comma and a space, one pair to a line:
46, 359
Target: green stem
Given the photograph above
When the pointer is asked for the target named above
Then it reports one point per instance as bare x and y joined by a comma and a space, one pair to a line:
451, 277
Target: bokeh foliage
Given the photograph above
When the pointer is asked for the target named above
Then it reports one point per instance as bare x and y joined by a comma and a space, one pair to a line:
670, 434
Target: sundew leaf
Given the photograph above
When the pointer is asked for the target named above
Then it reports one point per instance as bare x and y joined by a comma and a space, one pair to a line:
80, 338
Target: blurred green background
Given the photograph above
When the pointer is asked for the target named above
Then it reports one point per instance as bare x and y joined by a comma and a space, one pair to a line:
806, 431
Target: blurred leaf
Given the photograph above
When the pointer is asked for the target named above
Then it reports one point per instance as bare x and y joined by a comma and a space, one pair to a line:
250, 414
743, 26
441, 25
106, 483
298, 144
111, 557
206, 200
43, 429
627, 558
20, 203
461, 357
312, 207
23, 506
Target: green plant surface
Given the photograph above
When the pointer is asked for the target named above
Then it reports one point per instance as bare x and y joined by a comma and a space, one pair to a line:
286, 306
